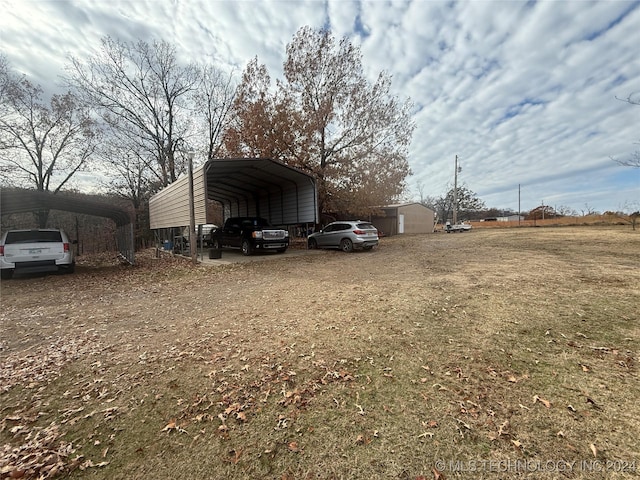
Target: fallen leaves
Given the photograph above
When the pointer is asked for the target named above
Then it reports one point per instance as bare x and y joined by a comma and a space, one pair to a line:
173, 426
43, 454
44, 363
546, 403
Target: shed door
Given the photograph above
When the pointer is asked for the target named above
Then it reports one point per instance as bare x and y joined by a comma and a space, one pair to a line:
401, 223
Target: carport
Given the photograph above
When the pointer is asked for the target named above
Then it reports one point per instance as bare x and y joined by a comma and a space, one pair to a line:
243, 187
25, 201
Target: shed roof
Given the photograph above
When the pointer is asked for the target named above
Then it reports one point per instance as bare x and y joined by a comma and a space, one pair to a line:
244, 187
400, 205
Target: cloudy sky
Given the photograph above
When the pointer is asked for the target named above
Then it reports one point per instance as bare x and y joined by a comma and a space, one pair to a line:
523, 92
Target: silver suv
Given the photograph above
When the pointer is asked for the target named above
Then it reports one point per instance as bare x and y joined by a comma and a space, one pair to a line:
346, 235
40, 250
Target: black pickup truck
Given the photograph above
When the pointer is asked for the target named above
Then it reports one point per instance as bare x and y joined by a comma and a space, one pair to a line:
249, 234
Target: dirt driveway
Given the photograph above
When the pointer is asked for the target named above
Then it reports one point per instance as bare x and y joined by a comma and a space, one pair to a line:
514, 344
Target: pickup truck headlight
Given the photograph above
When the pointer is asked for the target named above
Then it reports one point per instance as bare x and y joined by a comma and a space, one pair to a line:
257, 234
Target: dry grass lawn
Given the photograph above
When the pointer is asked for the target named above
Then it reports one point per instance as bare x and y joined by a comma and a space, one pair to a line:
493, 354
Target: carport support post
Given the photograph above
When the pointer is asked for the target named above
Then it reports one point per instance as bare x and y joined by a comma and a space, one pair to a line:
193, 244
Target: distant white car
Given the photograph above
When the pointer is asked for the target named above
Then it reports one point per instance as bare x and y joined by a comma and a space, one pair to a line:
38, 250
459, 227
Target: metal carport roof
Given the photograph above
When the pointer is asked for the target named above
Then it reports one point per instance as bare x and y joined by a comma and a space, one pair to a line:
23, 201
244, 187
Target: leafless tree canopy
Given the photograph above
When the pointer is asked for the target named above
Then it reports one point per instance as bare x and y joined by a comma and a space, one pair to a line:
42, 145
141, 91
634, 158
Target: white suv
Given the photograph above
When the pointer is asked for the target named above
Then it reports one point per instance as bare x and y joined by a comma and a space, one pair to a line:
40, 250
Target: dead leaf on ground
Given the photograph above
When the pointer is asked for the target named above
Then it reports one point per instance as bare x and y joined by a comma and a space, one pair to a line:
594, 450
503, 428
546, 403
592, 402
293, 446
170, 426
234, 455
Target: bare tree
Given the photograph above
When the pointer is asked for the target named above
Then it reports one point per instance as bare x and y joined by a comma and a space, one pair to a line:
565, 211
141, 90
4, 75
42, 145
213, 103
634, 160
587, 210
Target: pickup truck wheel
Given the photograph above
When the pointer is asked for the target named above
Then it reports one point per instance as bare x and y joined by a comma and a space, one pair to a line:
313, 244
346, 245
246, 247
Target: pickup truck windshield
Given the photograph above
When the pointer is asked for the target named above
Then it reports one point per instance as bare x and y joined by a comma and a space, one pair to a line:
33, 236
255, 222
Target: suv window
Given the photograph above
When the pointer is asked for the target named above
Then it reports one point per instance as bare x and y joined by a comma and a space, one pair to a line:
365, 226
33, 236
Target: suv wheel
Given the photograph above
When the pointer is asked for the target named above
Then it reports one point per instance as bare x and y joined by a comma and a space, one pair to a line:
246, 247
313, 244
346, 245
6, 274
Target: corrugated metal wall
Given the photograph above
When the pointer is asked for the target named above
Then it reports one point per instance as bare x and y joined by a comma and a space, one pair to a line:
417, 218
295, 204
170, 207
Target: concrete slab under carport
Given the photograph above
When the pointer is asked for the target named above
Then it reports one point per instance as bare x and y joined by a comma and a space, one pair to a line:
234, 256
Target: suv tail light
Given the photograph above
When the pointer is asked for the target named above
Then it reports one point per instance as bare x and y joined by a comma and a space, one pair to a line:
1, 250
66, 247
359, 232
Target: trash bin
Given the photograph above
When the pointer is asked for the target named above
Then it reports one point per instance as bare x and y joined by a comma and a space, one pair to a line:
168, 245
215, 253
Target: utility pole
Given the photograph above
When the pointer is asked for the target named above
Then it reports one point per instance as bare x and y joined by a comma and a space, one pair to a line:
455, 192
518, 204
193, 244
